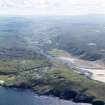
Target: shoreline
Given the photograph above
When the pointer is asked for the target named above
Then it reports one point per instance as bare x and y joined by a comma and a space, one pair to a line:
42, 96
75, 96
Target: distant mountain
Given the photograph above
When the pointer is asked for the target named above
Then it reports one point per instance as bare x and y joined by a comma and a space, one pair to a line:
73, 34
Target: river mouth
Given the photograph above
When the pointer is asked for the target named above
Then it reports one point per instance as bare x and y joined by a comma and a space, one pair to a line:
16, 96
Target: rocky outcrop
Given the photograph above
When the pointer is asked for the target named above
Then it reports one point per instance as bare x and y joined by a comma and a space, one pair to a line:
98, 103
83, 98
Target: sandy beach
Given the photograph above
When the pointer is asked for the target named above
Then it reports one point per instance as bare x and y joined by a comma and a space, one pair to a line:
97, 69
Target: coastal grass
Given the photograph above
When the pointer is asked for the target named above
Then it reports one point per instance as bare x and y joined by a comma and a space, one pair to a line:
58, 53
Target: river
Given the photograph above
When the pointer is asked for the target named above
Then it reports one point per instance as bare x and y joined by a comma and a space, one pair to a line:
27, 97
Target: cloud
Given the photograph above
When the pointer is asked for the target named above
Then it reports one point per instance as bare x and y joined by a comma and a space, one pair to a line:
63, 7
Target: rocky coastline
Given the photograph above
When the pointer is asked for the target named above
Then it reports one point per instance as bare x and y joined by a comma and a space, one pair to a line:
65, 93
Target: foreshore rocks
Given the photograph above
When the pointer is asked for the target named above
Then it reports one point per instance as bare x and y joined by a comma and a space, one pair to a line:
83, 98
98, 103
71, 95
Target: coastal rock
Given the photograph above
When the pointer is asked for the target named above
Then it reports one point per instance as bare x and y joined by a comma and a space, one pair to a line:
84, 99
68, 94
98, 103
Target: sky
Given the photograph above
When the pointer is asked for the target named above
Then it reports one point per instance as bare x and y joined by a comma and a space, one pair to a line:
52, 7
